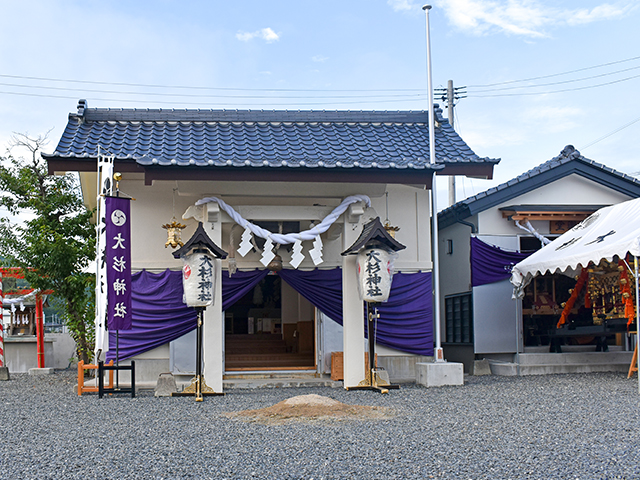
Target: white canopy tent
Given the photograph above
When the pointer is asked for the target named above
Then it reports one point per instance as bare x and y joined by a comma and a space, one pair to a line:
610, 231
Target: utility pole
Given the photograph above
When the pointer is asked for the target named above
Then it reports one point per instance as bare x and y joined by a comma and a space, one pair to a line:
452, 178
450, 95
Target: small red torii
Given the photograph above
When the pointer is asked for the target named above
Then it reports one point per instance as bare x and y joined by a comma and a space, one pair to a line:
16, 272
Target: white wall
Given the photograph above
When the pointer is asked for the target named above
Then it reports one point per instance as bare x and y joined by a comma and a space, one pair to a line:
408, 209
571, 190
153, 207
455, 269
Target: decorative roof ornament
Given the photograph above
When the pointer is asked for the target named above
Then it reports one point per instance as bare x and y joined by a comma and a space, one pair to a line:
200, 240
374, 235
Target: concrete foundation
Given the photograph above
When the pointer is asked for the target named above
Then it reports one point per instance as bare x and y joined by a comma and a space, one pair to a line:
438, 374
41, 371
576, 359
4, 374
21, 353
401, 368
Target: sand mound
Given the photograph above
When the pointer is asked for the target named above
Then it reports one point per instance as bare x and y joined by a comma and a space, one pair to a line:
311, 408
312, 399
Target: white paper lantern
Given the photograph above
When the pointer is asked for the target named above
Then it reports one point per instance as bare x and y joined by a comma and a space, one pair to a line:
375, 273
198, 279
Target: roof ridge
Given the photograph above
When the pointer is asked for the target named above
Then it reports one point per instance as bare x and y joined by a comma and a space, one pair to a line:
254, 115
568, 154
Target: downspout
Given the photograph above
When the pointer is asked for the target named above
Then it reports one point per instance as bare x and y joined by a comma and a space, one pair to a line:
468, 224
464, 222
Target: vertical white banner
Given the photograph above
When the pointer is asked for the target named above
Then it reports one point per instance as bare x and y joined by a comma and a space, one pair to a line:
105, 183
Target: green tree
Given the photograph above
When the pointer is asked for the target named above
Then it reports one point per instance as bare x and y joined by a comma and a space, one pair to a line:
48, 233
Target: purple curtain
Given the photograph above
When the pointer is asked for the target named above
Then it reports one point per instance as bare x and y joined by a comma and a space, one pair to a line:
406, 320
237, 286
323, 288
490, 264
160, 316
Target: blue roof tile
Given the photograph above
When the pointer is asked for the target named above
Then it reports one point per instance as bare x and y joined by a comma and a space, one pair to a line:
569, 161
311, 139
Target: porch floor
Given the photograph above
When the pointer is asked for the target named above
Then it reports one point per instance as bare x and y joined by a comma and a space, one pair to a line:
263, 352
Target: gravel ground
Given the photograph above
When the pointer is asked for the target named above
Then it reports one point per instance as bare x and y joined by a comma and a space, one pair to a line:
557, 426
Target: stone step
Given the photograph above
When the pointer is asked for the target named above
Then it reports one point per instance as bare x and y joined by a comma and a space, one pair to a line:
572, 368
287, 375
554, 363
576, 358
282, 382
572, 349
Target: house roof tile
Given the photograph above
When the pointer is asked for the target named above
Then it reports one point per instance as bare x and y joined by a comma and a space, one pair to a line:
569, 161
257, 138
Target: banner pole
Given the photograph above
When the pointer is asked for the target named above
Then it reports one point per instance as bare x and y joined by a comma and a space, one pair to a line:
40, 330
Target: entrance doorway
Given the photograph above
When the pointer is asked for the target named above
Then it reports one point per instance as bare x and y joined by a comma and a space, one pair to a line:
271, 328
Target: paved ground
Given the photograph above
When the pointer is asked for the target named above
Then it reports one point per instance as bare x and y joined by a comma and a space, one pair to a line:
582, 426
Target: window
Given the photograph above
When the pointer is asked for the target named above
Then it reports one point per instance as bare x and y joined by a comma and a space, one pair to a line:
459, 318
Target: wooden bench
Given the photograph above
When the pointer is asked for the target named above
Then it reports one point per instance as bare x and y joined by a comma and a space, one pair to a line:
600, 332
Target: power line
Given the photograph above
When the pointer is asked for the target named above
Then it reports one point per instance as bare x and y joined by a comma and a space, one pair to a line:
554, 91
159, 94
554, 74
559, 83
395, 93
165, 102
147, 85
611, 133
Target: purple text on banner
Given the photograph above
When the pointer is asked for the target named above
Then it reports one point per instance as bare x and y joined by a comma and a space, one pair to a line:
118, 253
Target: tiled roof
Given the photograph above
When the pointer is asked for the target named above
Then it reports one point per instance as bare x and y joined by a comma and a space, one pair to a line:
568, 162
373, 233
250, 138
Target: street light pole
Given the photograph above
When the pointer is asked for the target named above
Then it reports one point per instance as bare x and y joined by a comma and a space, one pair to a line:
439, 356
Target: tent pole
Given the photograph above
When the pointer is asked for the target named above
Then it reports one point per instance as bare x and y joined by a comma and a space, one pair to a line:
518, 314
635, 274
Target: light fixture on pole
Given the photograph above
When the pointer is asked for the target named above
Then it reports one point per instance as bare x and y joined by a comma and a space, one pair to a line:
376, 250
174, 229
200, 260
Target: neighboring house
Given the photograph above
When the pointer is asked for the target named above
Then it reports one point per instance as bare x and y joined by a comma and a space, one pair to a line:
479, 317
285, 171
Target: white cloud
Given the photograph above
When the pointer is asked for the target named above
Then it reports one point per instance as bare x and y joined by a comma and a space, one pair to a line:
266, 34
403, 5
319, 58
528, 18
601, 12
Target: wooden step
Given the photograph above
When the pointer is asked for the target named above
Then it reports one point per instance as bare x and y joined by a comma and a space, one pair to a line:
269, 360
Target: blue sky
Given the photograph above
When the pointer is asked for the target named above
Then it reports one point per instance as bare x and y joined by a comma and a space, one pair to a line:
338, 55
